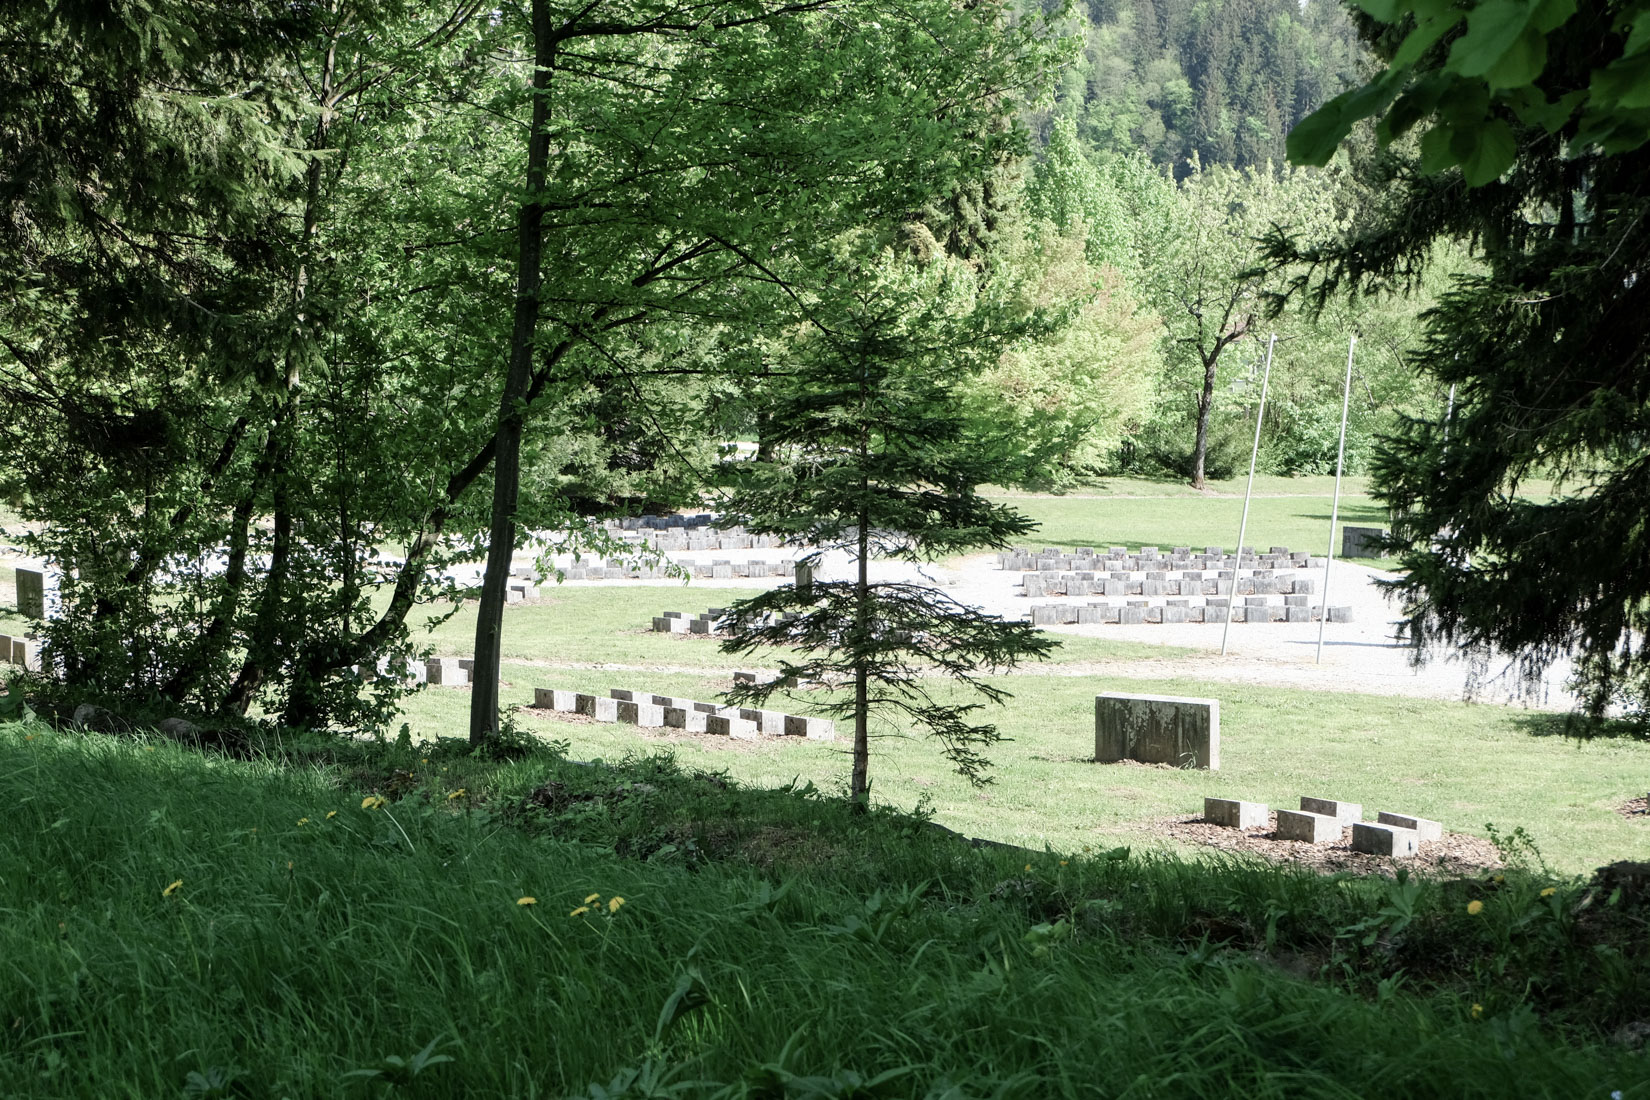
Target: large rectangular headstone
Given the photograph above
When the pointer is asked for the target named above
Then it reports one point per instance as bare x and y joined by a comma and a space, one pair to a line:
1157, 729
31, 593
1359, 542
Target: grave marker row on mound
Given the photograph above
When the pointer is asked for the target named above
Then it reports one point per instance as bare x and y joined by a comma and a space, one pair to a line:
1192, 583
1322, 821
23, 652
1138, 612
1120, 560
647, 710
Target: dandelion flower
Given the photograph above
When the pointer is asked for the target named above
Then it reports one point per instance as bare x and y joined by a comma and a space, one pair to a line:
580, 911
1475, 907
591, 898
613, 904
460, 793
1477, 1012
1028, 866
303, 821
372, 802
172, 889
331, 814
527, 901
1549, 891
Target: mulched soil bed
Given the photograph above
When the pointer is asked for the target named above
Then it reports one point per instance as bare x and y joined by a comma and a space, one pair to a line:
1455, 854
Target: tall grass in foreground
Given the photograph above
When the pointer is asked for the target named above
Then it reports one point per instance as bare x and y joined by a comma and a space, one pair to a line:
178, 924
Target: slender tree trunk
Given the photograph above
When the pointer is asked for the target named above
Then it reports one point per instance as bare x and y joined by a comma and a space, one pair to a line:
501, 538
267, 637
859, 786
1205, 405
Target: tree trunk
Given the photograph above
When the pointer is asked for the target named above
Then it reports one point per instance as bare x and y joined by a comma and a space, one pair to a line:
1205, 405
501, 537
859, 785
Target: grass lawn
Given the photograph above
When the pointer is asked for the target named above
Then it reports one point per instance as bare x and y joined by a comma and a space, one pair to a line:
181, 924
1463, 764
1298, 520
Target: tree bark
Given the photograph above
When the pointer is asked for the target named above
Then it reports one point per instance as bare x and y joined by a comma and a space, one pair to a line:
859, 785
1205, 405
501, 537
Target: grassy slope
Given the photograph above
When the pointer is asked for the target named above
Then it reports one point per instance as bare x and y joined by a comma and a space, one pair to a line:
299, 947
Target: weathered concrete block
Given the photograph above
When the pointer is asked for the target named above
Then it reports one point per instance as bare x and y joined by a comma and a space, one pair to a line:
1426, 830
730, 726
513, 594
1089, 615
692, 721
1344, 812
1310, 827
1384, 840
557, 699
1195, 614
1302, 600
1277, 613
1174, 614
1298, 614
1046, 615
5, 649
816, 729
1157, 729
1234, 814
1154, 614
1033, 584
31, 594
1131, 615
594, 706
721, 572
1340, 614
625, 694
701, 626
1359, 542
641, 714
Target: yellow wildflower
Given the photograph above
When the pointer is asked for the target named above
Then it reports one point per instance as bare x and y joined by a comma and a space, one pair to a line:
1028, 866
331, 814
372, 802
1549, 891
1477, 1011
591, 898
580, 911
1499, 879
1063, 862
527, 901
289, 865
1475, 907
613, 904
172, 889
460, 793
303, 821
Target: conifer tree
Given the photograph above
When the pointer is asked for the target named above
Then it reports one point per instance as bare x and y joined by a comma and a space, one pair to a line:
876, 459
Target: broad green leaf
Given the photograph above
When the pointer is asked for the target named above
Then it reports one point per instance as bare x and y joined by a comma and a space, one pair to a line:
1522, 62
1549, 15
1387, 11
1435, 148
1533, 109
1492, 29
1414, 105
1422, 38
1624, 83
1316, 137
1493, 152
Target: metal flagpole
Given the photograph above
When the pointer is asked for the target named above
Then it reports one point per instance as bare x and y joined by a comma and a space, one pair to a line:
1335, 509
1243, 524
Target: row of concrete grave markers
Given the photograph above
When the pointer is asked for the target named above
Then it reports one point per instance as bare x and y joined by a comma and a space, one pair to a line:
1321, 821
712, 621
645, 709
717, 569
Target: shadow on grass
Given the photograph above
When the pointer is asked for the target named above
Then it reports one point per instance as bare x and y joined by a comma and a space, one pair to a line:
1582, 728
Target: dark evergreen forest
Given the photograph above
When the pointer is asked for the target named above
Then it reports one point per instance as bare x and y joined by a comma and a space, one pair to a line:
1223, 80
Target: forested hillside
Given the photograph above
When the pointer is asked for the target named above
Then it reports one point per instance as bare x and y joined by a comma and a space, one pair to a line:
1221, 79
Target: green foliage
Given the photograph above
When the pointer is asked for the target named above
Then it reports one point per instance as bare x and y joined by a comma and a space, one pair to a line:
877, 458
1543, 346
1470, 72
1220, 82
